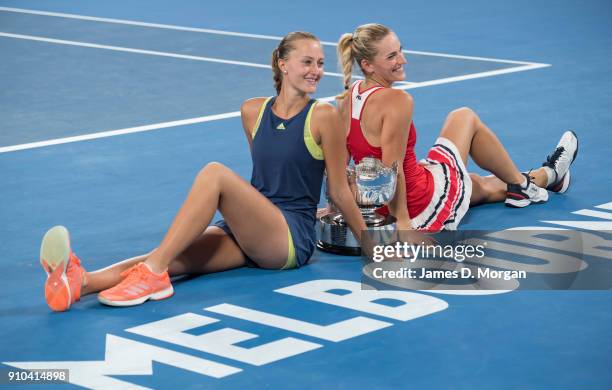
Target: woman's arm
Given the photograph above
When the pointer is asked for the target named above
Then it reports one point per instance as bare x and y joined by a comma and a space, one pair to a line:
249, 111
396, 120
329, 134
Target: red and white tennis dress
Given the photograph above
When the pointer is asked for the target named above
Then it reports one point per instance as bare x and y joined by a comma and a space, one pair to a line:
438, 189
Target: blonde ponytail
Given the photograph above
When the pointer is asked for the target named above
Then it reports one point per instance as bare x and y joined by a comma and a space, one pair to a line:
357, 47
277, 75
345, 57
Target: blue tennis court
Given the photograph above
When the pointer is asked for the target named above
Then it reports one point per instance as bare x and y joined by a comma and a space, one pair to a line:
109, 109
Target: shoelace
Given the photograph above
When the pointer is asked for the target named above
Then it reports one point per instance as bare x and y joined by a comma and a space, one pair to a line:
132, 275
551, 159
529, 179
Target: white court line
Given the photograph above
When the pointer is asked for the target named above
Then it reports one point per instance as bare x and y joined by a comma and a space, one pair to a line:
232, 33
112, 133
233, 114
141, 51
471, 76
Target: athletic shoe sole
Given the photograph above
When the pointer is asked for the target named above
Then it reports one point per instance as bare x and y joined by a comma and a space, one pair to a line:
54, 257
163, 294
521, 203
577, 146
561, 186
516, 202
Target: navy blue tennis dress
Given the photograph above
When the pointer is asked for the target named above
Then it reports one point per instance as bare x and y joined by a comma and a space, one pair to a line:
288, 169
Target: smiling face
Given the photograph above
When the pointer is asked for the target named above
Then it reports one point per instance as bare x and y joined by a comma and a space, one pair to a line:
303, 68
387, 66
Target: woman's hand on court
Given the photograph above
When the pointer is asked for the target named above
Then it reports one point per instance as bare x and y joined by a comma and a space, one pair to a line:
406, 233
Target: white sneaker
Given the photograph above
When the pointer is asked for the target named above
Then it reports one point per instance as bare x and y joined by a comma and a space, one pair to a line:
560, 160
518, 196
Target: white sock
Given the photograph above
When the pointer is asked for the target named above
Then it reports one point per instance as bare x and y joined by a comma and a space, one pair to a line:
550, 175
524, 182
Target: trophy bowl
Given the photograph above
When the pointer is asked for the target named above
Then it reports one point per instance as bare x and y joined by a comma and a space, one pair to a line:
373, 185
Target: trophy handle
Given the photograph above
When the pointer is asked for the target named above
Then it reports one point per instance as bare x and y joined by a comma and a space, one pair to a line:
350, 176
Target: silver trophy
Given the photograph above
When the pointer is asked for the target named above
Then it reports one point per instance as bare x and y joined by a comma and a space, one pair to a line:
373, 185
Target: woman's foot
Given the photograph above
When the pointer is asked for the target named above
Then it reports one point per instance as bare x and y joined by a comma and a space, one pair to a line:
557, 164
523, 195
139, 284
64, 270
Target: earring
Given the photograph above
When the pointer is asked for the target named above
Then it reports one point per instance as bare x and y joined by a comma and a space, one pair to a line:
285, 72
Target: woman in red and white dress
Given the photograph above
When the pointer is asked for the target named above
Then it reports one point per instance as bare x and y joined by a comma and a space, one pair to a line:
437, 190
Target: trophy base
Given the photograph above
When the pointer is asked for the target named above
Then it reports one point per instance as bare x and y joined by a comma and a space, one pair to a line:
338, 249
334, 236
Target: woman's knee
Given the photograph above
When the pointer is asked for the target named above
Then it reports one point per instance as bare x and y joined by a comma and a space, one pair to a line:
211, 171
464, 114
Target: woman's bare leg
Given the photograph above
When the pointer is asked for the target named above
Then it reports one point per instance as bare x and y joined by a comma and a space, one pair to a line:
107, 277
192, 247
473, 138
487, 189
213, 251
258, 225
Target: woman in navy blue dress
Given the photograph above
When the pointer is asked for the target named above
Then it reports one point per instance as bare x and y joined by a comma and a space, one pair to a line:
268, 223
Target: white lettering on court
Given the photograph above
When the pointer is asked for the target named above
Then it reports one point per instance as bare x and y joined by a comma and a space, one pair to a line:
338, 331
413, 305
128, 357
221, 342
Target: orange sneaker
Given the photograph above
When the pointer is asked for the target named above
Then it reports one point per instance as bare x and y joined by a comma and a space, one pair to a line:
138, 285
63, 268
